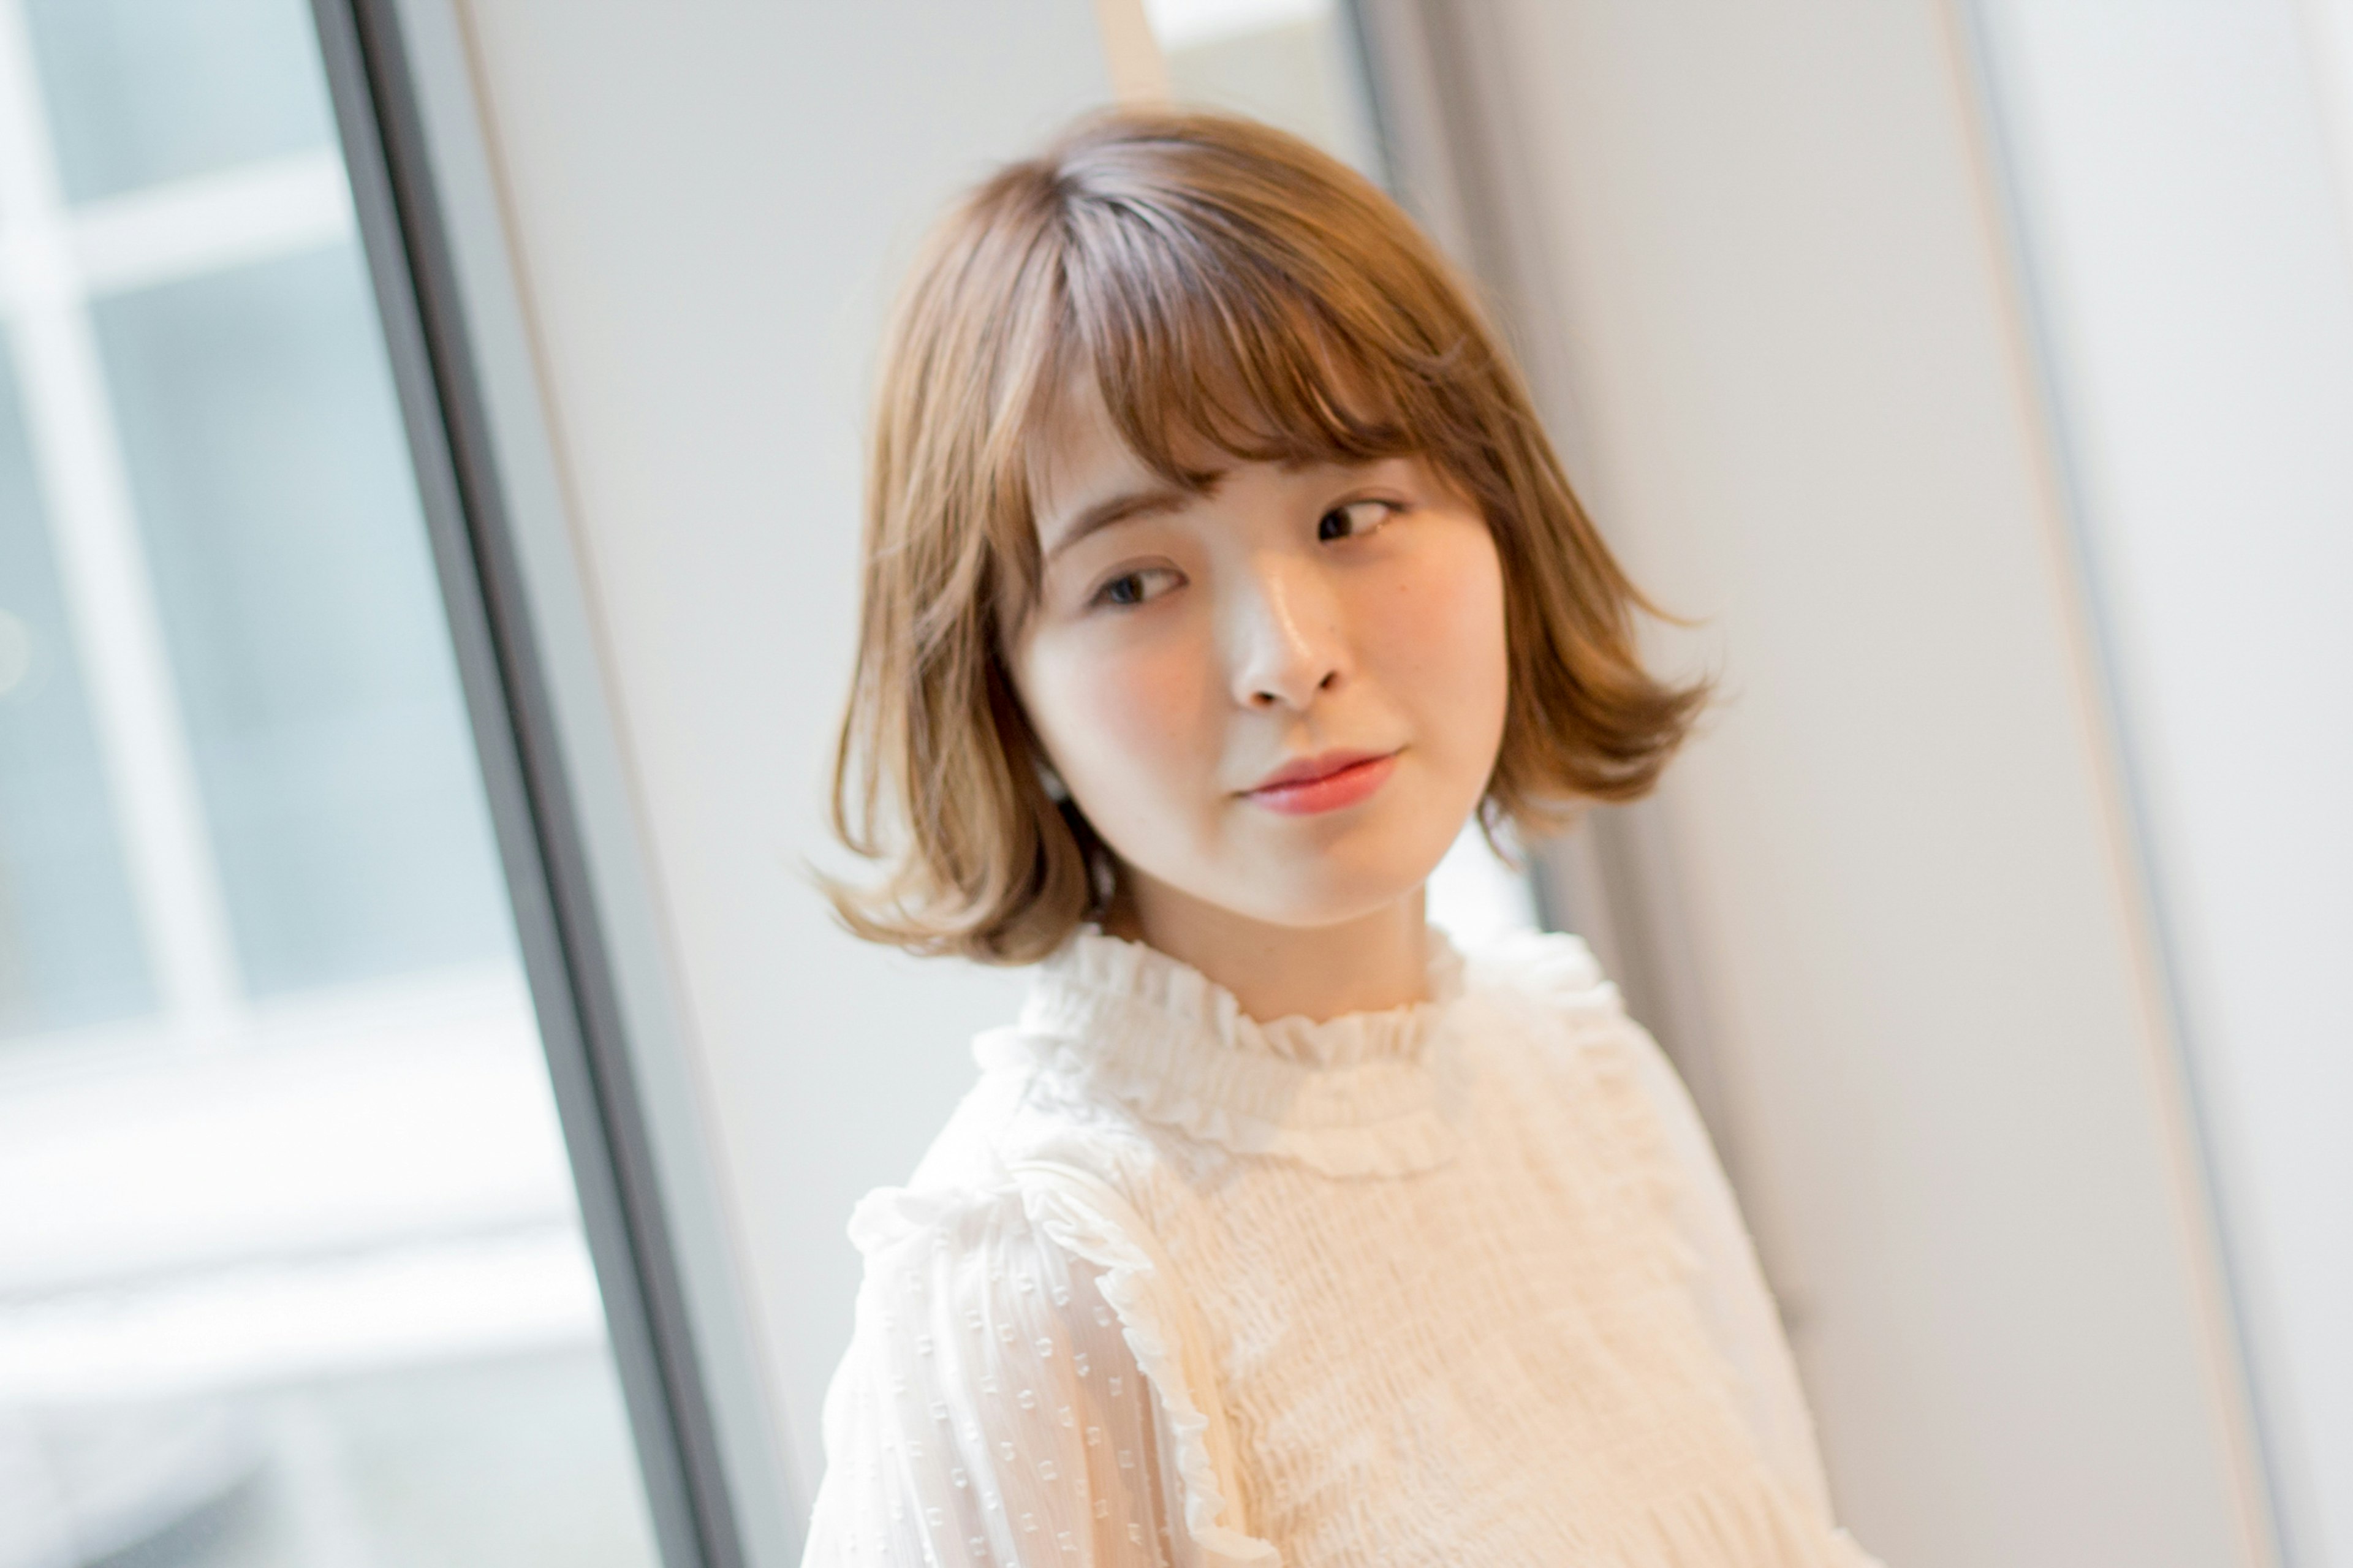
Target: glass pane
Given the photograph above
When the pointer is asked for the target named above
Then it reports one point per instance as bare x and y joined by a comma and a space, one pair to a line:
298, 596
69, 949
291, 1267
384, 1469
146, 90
1290, 63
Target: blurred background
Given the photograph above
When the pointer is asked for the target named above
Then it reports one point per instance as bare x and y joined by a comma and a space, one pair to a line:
1976, 376
290, 1269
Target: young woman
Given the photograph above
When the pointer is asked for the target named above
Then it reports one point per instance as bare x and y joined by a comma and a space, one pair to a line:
1216, 570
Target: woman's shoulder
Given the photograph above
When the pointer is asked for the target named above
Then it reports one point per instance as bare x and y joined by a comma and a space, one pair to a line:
1019, 1343
1554, 1017
1017, 1112
981, 1248
966, 1191
1552, 977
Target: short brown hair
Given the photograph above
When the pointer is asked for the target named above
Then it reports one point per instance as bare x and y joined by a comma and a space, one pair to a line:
1219, 281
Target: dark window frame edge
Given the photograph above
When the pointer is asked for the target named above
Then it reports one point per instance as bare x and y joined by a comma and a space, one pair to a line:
487, 592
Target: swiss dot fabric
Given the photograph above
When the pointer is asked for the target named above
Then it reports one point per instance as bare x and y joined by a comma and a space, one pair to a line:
1459, 1282
995, 1413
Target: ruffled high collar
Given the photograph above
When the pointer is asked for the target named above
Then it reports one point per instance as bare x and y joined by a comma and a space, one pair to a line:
1362, 1094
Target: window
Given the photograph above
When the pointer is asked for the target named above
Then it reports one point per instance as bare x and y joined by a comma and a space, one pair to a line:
292, 1266
1292, 63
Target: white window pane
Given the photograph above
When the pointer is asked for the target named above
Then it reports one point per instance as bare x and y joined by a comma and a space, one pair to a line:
1475, 896
143, 92
417, 1466
70, 945
1290, 63
295, 1274
306, 635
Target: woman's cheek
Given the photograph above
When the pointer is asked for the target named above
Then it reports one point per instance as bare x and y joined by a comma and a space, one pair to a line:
1440, 626
1445, 664
1125, 705
1145, 698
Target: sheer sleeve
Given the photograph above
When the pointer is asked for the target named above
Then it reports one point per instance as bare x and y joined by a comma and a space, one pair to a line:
989, 1410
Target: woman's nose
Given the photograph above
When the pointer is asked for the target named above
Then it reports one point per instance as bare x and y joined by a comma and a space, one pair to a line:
1284, 634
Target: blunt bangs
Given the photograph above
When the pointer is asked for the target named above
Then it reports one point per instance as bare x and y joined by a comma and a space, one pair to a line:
1188, 288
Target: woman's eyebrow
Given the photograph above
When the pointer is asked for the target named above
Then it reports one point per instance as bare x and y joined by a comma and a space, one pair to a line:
1126, 506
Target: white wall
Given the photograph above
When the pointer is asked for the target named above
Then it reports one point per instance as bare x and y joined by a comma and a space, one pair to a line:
707, 206
1809, 415
2187, 240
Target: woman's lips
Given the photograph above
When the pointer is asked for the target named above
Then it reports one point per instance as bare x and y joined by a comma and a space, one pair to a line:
1323, 783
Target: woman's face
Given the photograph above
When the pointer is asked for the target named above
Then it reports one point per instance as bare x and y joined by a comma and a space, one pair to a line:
1281, 699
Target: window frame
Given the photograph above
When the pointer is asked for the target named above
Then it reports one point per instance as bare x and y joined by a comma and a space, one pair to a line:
431, 230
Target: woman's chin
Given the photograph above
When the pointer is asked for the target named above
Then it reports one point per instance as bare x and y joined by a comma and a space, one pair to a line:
1319, 897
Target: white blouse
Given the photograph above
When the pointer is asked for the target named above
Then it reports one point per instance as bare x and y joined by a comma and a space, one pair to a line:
1458, 1282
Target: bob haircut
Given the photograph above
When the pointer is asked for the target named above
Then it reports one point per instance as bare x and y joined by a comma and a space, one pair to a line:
1217, 282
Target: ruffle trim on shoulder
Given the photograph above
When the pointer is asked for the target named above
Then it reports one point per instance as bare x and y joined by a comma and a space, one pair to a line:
888, 1215
1152, 1319
1553, 965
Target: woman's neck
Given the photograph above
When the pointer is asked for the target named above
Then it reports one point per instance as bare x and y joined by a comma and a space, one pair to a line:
1375, 961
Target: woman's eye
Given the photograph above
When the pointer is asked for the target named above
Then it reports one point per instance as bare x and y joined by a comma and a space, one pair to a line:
1136, 587
1352, 521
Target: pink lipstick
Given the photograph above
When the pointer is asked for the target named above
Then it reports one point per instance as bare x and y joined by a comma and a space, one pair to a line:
1324, 783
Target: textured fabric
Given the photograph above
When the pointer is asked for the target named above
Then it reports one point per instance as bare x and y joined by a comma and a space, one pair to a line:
1457, 1282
